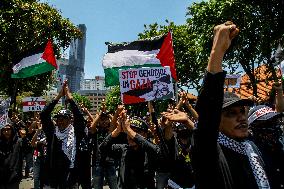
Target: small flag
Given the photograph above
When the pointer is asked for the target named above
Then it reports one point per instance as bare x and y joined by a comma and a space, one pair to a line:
36, 64
154, 52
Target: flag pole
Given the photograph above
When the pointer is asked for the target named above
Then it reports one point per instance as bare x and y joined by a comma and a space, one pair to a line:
176, 87
14, 95
176, 93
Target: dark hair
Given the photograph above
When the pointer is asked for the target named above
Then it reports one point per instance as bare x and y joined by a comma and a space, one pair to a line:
11, 127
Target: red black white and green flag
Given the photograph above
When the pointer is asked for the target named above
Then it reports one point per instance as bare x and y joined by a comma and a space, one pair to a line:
36, 64
154, 52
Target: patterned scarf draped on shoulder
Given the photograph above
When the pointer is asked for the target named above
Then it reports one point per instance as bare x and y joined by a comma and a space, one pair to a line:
255, 159
4, 106
67, 136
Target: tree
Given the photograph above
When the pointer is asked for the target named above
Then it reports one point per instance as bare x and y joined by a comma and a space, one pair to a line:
25, 26
113, 99
261, 30
19, 100
82, 100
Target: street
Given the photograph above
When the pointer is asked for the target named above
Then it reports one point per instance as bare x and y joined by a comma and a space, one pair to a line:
27, 183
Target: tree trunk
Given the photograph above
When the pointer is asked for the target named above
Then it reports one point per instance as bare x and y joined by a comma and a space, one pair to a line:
250, 73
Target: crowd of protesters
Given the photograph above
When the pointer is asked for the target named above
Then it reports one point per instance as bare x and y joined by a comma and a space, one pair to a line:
224, 142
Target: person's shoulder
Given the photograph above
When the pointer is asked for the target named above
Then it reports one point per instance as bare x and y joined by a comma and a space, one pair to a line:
1, 142
19, 140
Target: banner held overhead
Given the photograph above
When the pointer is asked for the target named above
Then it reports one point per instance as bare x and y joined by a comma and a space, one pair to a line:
145, 84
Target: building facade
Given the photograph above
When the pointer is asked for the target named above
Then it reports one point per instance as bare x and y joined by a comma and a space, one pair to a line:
61, 72
93, 84
75, 68
96, 97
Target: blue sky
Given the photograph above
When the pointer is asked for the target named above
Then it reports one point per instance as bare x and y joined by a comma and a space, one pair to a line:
116, 21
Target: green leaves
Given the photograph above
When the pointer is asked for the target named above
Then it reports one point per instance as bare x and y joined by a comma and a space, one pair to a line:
26, 25
261, 26
82, 100
260, 30
113, 99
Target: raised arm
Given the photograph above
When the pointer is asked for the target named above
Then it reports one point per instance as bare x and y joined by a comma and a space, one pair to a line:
79, 121
205, 153
140, 140
181, 101
153, 127
279, 99
45, 116
179, 116
160, 135
184, 102
107, 143
92, 127
210, 100
118, 111
192, 111
86, 111
166, 124
223, 36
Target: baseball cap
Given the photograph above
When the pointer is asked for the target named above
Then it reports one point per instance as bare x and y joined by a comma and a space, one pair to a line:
138, 123
63, 113
231, 99
261, 112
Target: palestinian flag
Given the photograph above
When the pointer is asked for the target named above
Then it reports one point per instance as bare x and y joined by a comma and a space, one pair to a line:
36, 64
154, 52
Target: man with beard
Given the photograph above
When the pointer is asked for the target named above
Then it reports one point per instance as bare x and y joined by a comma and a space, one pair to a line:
222, 157
267, 134
63, 140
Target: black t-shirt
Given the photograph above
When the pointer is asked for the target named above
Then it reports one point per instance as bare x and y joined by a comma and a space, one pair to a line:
134, 169
98, 157
26, 141
183, 172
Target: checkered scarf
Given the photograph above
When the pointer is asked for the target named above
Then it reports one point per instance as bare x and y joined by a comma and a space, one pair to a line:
246, 148
67, 136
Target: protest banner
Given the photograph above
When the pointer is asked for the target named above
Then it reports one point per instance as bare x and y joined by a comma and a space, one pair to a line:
233, 81
281, 69
145, 84
32, 104
4, 106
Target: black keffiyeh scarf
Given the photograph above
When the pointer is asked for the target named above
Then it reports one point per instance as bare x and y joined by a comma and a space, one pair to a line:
67, 136
246, 148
